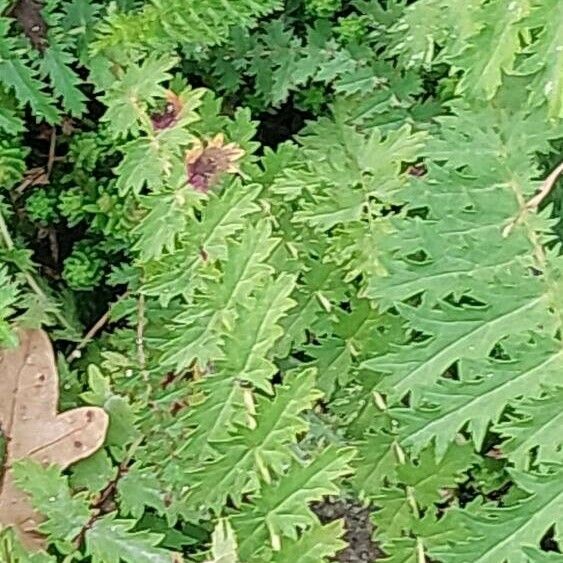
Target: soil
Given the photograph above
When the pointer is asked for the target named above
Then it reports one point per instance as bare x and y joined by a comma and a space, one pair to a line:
28, 15
359, 529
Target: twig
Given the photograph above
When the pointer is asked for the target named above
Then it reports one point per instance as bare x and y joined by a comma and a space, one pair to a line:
94, 329
546, 187
97, 506
140, 336
534, 202
33, 177
52, 146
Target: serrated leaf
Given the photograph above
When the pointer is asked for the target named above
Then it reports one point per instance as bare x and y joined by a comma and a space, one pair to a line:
137, 489
50, 495
110, 540
283, 507
16, 76
316, 544
532, 435
223, 544
55, 64
500, 534
493, 49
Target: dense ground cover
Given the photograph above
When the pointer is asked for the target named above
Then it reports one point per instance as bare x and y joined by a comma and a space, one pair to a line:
291, 271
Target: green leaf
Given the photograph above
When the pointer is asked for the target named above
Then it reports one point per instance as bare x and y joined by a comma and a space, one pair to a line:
500, 534
283, 507
18, 77
55, 64
11, 550
223, 544
50, 495
93, 473
493, 49
316, 544
110, 540
259, 451
544, 57
532, 435
128, 98
138, 489
122, 428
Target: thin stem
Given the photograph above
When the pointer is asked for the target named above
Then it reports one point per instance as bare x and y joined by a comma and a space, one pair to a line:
9, 244
52, 147
94, 329
545, 188
534, 202
140, 336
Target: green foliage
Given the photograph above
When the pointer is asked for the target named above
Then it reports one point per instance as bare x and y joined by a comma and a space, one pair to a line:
83, 268
41, 206
295, 250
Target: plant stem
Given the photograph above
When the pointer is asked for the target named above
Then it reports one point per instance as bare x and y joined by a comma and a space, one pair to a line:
9, 244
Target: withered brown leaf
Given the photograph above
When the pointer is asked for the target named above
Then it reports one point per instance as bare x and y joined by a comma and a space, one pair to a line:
29, 394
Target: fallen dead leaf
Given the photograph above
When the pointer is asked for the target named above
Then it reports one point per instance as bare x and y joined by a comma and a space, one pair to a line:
29, 394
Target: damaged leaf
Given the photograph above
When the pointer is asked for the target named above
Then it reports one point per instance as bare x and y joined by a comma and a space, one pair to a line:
32, 428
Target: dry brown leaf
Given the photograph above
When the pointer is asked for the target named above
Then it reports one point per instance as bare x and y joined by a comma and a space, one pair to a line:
29, 394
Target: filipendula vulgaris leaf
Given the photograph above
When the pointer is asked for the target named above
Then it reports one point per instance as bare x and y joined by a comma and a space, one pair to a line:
122, 429
505, 343
473, 330
137, 89
93, 473
12, 162
316, 544
9, 296
58, 58
223, 543
494, 534
198, 331
225, 392
407, 490
155, 159
162, 26
370, 167
543, 58
221, 217
492, 50
12, 551
21, 78
11, 121
137, 489
112, 540
319, 289
65, 515
282, 508
56, 61
428, 25
350, 339
532, 433
258, 450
